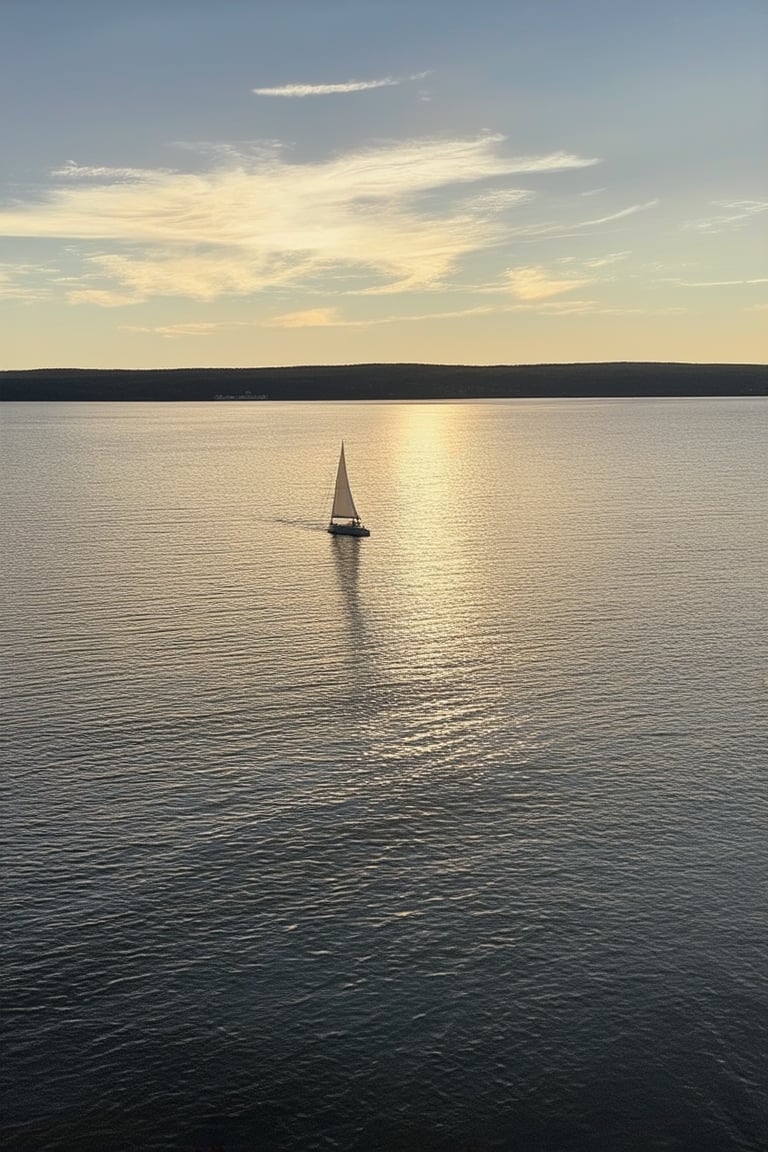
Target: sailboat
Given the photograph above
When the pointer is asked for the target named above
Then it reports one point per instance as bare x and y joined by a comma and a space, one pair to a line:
344, 506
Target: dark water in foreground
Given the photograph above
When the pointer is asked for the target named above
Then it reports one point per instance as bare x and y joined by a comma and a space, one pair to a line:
452, 838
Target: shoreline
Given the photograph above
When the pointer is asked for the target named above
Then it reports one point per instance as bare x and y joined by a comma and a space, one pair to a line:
387, 382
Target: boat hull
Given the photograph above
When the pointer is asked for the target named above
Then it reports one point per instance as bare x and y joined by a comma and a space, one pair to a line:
348, 530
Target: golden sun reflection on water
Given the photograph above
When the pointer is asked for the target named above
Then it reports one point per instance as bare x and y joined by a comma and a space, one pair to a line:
428, 611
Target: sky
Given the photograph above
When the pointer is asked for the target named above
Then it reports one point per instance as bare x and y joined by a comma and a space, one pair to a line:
270, 182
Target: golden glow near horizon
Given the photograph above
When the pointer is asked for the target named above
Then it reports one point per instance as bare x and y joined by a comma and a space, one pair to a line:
458, 213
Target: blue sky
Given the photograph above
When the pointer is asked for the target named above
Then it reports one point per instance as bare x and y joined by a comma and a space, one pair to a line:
331, 181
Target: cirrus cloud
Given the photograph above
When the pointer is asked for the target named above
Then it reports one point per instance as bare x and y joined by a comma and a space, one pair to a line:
302, 90
260, 221
732, 214
308, 318
535, 283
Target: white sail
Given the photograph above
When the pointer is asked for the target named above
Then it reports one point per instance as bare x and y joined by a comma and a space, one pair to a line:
343, 504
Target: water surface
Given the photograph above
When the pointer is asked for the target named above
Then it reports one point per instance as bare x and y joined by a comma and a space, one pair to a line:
450, 838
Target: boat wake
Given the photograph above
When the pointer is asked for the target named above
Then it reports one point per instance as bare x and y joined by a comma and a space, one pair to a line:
297, 522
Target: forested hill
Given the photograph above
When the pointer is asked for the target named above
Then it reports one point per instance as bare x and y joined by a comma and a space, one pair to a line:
388, 382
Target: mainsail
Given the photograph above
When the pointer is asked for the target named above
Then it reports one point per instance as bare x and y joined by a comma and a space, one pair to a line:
343, 504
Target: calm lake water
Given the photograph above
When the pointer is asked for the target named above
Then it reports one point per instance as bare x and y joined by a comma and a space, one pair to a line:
449, 839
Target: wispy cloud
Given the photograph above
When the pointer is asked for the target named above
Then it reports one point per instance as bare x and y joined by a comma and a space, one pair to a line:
332, 317
102, 297
733, 214
301, 90
605, 261
174, 331
25, 282
552, 230
633, 208
536, 283
553, 308
715, 283
596, 261
310, 318
102, 173
260, 221
498, 199
335, 318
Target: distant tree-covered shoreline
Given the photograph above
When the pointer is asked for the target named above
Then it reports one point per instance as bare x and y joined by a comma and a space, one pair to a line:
387, 382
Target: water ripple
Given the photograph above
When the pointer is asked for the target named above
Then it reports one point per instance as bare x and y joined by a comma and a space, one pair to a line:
452, 838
